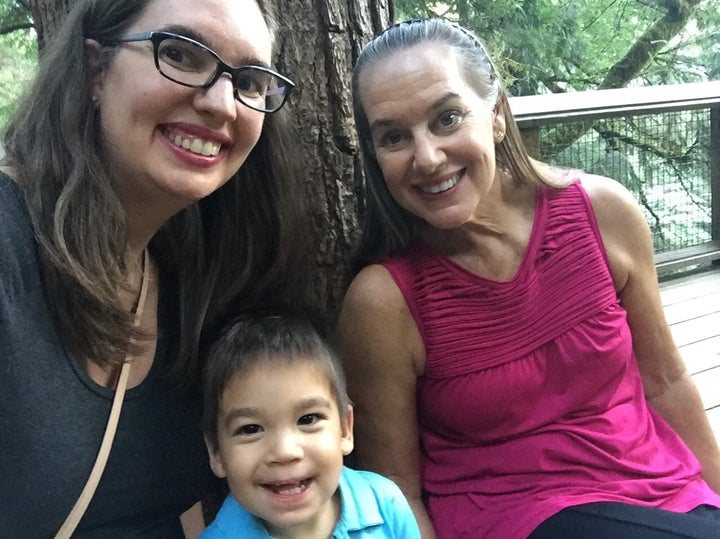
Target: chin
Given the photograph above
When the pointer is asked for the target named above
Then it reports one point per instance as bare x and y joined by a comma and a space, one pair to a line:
447, 224
193, 192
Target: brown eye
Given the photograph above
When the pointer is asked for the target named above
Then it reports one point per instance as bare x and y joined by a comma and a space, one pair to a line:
449, 119
309, 419
390, 139
182, 56
249, 430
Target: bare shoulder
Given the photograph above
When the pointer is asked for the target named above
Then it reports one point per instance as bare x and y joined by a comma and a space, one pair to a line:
607, 195
625, 233
376, 320
373, 288
616, 210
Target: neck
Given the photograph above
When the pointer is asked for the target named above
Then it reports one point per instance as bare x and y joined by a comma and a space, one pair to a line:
497, 215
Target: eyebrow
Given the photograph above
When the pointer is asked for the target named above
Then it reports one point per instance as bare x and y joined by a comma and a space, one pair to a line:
438, 103
185, 31
313, 402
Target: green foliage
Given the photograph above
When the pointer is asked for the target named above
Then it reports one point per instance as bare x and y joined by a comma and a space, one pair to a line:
18, 54
565, 45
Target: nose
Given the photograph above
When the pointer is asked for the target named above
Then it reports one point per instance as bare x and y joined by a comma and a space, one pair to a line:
285, 447
218, 99
428, 156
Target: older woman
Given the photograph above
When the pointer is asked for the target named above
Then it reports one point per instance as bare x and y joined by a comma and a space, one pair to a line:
508, 357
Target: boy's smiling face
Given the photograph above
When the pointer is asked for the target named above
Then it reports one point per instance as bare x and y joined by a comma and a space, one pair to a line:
281, 442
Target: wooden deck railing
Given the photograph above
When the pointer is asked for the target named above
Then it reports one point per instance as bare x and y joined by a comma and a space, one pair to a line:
532, 112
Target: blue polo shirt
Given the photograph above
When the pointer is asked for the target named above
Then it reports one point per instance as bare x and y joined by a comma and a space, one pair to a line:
372, 508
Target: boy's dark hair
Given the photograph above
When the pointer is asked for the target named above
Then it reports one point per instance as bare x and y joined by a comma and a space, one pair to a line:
273, 336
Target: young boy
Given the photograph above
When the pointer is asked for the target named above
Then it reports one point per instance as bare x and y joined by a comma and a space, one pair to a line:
277, 423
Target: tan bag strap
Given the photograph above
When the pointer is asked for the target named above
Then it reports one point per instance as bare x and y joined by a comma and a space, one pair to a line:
83, 501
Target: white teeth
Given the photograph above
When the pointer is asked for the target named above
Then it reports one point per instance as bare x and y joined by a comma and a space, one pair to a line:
444, 186
210, 148
291, 491
288, 490
203, 147
196, 146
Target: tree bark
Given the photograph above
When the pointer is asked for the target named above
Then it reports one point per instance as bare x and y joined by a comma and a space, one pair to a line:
655, 38
318, 43
47, 14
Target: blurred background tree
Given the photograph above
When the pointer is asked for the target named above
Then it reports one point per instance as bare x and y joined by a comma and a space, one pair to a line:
571, 45
18, 52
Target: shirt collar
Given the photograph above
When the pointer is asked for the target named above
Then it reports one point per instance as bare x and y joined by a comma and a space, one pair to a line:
359, 506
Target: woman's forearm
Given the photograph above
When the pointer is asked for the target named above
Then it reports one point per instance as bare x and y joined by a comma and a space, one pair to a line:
681, 406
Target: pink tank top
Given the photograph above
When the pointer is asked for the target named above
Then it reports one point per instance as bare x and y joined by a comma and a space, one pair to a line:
531, 399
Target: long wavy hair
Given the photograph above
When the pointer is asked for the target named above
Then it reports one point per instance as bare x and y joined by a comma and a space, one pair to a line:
235, 244
387, 227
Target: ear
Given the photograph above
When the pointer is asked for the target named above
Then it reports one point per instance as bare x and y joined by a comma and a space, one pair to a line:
94, 67
499, 125
347, 442
216, 463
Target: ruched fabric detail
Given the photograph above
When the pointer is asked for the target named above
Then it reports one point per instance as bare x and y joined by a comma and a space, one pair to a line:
531, 400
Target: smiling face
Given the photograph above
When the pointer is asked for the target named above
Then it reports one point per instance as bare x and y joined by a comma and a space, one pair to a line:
170, 145
281, 442
433, 135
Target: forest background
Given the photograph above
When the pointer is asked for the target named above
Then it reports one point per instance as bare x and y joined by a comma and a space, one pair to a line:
540, 46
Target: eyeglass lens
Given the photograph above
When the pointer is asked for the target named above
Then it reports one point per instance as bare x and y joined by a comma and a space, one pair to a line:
189, 64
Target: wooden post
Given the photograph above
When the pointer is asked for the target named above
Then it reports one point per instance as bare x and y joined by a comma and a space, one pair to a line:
715, 171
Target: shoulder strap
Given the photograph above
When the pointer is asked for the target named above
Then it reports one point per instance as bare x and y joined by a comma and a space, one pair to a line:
81, 505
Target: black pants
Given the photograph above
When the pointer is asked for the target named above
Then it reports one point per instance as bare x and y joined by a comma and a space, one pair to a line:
606, 520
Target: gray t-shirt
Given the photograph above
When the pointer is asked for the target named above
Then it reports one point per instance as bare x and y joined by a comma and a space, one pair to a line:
52, 417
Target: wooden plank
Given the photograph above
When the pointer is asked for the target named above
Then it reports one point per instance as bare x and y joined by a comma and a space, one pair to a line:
688, 256
696, 330
692, 308
714, 418
545, 109
690, 286
702, 355
708, 383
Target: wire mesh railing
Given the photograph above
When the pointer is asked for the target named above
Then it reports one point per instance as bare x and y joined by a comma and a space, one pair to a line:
663, 159
664, 151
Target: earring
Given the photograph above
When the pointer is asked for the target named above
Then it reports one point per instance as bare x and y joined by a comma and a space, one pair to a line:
94, 100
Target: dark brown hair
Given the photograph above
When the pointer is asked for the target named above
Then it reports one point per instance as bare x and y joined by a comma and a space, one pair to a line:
235, 244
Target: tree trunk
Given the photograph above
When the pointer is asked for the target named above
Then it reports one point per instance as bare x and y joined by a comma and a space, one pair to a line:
655, 38
47, 14
317, 44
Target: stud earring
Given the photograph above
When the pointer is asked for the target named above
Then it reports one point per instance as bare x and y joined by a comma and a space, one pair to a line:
94, 100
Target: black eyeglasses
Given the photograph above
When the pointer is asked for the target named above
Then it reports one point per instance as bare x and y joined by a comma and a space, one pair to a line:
190, 63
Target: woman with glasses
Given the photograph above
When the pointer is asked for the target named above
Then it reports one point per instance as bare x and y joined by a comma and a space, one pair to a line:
507, 354
147, 187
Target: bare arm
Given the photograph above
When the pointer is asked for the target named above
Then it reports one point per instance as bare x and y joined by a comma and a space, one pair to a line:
383, 355
668, 386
